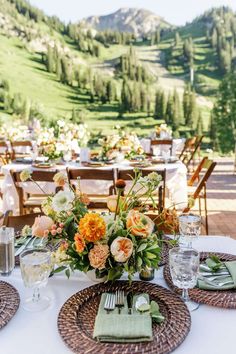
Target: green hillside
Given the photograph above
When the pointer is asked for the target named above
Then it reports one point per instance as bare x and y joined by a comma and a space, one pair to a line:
51, 70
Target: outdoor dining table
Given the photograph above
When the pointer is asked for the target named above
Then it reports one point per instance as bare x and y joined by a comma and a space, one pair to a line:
176, 182
212, 329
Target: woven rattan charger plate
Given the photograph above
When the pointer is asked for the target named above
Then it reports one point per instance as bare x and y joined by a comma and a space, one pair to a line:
9, 302
77, 316
220, 298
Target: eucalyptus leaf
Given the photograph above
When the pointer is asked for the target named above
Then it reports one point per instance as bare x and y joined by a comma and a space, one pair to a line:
142, 247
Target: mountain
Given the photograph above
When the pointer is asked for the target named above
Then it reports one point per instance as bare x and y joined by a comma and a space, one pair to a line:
138, 21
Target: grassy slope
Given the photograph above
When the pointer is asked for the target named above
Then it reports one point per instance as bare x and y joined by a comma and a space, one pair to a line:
204, 58
28, 76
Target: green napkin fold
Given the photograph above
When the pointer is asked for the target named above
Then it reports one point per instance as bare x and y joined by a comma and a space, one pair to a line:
228, 266
122, 328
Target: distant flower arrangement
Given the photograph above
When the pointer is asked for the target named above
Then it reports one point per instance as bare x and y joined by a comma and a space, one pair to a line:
15, 131
163, 131
121, 142
64, 138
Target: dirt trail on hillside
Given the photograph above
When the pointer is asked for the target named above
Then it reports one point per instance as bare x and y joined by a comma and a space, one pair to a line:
151, 58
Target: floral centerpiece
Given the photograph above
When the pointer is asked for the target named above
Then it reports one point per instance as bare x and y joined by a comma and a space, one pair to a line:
163, 131
125, 241
122, 142
16, 131
63, 140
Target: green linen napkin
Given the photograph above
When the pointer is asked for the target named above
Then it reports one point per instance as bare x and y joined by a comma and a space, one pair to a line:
122, 328
228, 266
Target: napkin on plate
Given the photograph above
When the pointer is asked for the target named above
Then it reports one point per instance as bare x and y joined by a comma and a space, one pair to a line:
231, 268
122, 328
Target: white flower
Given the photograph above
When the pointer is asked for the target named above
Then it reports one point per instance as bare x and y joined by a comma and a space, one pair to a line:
62, 201
61, 123
25, 175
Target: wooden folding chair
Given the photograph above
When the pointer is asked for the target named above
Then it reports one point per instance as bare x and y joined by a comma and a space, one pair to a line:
200, 191
29, 201
5, 153
196, 174
191, 147
15, 145
159, 142
128, 175
97, 201
19, 221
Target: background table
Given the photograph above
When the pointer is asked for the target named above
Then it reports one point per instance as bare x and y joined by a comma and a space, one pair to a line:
212, 330
176, 183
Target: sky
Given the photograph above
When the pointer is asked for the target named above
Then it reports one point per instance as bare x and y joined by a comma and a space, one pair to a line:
177, 12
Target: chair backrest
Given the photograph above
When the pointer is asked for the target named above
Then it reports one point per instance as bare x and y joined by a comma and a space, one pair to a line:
21, 143
168, 142
196, 175
37, 176
189, 145
210, 165
93, 174
190, 151
3, 144
128, 175
19, 221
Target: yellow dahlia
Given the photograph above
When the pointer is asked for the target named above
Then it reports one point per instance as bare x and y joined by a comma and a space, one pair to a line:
92, 227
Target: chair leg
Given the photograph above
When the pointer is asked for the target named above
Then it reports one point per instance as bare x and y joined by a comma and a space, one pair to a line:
200, 206
205, 204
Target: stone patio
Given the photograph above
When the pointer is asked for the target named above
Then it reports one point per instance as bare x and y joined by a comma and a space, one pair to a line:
221, 198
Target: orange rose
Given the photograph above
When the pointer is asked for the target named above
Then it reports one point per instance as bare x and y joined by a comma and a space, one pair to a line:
121, 249
79, 243
92, 227
41, 225
139, 224
98, 256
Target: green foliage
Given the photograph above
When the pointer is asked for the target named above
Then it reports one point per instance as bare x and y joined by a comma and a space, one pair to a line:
224, 114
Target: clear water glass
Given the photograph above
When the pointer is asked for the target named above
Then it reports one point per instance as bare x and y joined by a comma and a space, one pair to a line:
184, 267
35, 267
7, 250
189, 227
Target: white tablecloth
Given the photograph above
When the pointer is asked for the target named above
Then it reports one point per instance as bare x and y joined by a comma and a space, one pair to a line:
176, 183
212, 330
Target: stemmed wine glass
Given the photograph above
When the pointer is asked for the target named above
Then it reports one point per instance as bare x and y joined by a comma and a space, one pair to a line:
184, 266
35, 267
189, 227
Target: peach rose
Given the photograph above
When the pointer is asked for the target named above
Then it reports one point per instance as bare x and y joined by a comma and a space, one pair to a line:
41, 224
112, 202
98, 256
139, 224
121, 249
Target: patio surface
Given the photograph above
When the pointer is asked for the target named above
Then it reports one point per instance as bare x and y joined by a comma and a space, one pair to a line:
221, 199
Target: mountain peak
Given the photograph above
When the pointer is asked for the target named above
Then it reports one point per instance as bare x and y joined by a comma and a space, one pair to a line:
127, 19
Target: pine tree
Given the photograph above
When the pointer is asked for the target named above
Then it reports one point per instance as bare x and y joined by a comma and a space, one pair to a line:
110, 89
214, 39
199, 128
170, 110
176, 111
143, 98
192, 122
212, 131
58, 68
50, 60
177, 38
